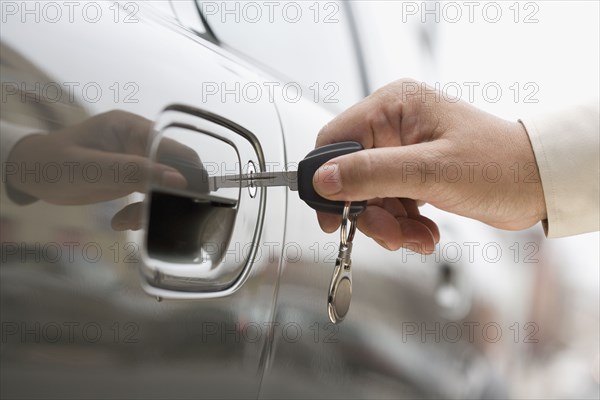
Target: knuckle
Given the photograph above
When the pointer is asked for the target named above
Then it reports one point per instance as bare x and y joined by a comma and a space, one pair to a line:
395, 109
125, 124
377, 118
116, 121
381, 113
409, 81
114, 118
409, 90
386, 110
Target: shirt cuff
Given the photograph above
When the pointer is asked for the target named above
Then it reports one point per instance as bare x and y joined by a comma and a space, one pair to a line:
567, 150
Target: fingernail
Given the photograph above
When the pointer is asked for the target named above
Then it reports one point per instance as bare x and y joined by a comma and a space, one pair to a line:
173, 179
327, 180
382, 244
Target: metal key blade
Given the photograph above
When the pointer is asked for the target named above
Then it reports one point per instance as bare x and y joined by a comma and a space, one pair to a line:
257, 179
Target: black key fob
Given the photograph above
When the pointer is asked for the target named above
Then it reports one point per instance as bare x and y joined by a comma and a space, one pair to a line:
307, 168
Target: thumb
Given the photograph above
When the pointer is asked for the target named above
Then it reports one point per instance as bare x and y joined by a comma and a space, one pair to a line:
382, 172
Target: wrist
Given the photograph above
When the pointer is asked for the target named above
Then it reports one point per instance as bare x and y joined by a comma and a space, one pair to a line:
531, 183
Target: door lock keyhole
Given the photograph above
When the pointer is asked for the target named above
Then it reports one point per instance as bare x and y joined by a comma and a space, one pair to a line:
251, 187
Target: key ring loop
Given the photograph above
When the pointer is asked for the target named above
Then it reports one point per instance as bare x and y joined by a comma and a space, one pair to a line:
346, 236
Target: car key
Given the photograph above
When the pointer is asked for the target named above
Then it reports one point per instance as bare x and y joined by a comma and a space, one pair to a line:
301, 180
340, 287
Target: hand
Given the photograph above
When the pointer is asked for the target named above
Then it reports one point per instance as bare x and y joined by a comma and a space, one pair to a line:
100, 159
422, 147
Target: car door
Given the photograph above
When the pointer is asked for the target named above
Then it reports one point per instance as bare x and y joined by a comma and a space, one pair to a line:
88, 312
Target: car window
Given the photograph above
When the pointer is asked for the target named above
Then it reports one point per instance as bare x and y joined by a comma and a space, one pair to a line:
308, 44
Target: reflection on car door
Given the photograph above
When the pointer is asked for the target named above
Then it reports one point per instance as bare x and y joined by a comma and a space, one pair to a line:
80, 324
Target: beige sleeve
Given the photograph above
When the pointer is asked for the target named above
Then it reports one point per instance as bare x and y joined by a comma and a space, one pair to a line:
566, 145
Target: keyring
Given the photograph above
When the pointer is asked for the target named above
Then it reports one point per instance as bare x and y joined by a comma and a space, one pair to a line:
340, 286
345, 235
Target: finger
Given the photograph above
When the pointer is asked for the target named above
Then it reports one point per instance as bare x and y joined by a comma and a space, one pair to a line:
397, 114
135, 132
379, 225
117, 175
395, 232
129, 217
413, 211
408, 208
139, 172
114, 131
432, 226
394, 206
415, 235
373, 122
329, 222
171, 148
129, 133
387, 172
132, 131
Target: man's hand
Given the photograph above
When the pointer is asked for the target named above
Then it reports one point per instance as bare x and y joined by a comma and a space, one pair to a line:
422, 147
100, 159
